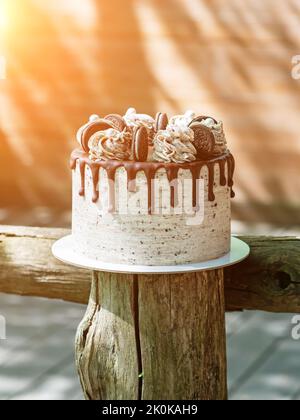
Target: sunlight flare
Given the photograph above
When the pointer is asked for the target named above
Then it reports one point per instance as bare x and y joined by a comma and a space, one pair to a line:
82, 13
4, 15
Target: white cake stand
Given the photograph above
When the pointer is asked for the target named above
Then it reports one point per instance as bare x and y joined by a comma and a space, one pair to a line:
63, 250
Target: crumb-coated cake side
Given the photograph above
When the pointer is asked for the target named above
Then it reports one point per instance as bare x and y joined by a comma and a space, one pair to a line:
152, 191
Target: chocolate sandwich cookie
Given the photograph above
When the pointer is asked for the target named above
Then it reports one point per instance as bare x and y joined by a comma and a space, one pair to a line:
140, 147
202, 118
117, 121
91, 129
161, 121
204, 140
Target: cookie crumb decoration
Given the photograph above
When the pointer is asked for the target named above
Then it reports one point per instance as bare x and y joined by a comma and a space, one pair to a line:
174, 145
140, 147
182, 120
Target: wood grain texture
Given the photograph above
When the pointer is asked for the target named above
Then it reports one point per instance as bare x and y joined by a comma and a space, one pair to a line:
268, 280
28, 268
182, 332
154, 338
106, 351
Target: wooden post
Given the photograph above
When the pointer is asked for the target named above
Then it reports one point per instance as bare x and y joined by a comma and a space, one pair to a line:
154, 337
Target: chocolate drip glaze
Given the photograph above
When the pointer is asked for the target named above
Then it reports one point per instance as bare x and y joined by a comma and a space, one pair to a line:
222, 173
195, 170
231, 168
111, 174
82, 165
211, 182
150, 169
95, 176
173, 180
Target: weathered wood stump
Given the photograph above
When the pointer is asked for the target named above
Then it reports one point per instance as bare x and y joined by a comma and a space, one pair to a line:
154, 337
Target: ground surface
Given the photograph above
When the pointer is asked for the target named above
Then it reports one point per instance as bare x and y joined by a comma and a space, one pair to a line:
37, 360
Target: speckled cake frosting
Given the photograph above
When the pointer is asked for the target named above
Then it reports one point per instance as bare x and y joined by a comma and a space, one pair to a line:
152, 191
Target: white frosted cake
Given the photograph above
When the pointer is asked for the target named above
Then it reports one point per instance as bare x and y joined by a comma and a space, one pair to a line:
152, 191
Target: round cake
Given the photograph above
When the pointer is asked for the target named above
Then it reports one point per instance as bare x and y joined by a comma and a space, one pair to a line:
152, 191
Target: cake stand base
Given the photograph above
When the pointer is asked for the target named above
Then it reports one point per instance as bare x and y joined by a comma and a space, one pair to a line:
64, 251
153, 333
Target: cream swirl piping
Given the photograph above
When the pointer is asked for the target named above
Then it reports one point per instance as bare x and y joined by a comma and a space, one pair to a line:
133, 120
110, 145
174, 145
182, 120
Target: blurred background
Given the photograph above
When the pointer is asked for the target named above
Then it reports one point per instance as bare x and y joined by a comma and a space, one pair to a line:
67, 59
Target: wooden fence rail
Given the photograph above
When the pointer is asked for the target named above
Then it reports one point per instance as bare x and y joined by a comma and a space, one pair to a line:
140, 339
268, 280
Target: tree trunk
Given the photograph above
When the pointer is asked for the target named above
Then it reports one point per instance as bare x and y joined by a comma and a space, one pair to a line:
154, 337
